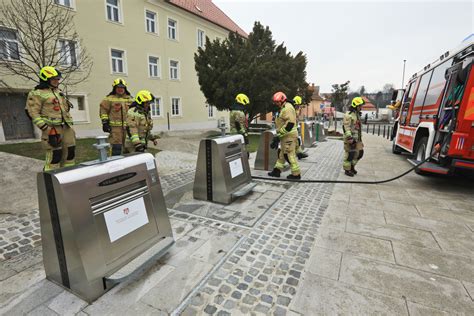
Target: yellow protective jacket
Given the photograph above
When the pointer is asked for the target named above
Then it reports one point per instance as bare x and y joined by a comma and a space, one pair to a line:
286, 117
48, 106
140, 125
352, 126
237, 122
114, 108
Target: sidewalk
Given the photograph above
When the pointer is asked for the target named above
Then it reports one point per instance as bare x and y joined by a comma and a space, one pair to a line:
400, 248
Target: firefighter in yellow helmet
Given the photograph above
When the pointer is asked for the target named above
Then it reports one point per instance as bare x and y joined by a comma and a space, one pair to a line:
297, 102
352, 128
49, 110
287, 136
139, 123
238, 122
113, 114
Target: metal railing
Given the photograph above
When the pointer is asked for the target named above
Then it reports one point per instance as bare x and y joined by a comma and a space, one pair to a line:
383, 130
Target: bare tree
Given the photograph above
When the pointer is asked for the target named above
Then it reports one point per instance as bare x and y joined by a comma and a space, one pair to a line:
41, 33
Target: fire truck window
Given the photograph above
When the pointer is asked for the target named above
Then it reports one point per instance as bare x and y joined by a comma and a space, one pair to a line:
420, 97
406, 103
437, 84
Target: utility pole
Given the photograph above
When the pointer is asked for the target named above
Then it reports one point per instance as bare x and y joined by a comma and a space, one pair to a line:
403, 76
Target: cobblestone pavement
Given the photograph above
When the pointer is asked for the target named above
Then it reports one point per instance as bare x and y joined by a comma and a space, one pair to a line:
20, 233
262, 274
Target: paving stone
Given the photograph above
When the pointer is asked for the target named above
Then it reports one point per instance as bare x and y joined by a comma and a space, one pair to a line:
266, 298
249, 299
283, 300
210, 309
438, 292
41, 311
236, 294
337, 298
420, 310
229, 304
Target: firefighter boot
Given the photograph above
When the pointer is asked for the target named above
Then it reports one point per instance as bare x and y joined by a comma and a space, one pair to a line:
301, 155
275, 173
353, 170
293, 177
348, 173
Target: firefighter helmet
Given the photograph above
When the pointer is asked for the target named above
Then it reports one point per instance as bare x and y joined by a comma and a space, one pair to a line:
49, 72
242, 99
279, 97
119, 83
144, 96
297, 100
357, 101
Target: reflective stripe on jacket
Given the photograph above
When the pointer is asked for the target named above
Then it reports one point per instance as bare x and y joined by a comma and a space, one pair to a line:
48, 106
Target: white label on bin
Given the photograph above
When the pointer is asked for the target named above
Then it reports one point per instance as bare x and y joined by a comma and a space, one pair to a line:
125, 219
236, 167
150, 164
310, 134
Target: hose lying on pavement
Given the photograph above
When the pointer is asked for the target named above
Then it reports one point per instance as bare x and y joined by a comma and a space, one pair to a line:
340, 181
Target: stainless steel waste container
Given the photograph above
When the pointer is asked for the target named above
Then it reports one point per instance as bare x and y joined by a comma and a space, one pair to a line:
102, 223
319, 134
307, 135
266, 156
222, 170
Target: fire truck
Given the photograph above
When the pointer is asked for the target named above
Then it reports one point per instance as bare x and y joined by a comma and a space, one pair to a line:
436, 113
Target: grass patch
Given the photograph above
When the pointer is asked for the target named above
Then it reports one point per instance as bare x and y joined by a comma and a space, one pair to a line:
254, 140
84, 150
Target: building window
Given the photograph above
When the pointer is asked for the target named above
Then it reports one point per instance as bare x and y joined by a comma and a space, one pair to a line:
174, 70
210, 112
175, 106
201, 38
172, 29
118, 61
66, 3
156, 107
154, 67
67, 53
150, 18
79, 110
9, 44
113, 10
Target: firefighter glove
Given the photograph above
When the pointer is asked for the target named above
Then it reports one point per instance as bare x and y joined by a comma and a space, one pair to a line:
106, 126
140, 148
54, 139
43, 127
275, 141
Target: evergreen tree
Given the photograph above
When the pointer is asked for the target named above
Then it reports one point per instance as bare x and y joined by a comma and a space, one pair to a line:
255, 66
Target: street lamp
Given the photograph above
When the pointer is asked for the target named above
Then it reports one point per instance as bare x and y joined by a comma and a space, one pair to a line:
403, 76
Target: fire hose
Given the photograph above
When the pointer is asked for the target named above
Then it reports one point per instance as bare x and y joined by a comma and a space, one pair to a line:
436, 149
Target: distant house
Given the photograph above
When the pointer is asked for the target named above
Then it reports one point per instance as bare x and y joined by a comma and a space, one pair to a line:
315, 106
368, 109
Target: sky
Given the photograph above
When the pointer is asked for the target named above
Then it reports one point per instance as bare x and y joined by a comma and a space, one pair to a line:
365, 42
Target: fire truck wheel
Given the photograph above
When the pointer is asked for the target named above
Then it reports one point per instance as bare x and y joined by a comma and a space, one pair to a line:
420, 152
395, 149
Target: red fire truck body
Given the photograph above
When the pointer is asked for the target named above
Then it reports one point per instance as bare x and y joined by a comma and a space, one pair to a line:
437, 111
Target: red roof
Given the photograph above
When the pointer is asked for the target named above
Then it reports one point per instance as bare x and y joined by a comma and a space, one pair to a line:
368, 106
209, 11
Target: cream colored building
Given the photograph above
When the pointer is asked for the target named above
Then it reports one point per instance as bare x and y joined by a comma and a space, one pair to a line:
149, 43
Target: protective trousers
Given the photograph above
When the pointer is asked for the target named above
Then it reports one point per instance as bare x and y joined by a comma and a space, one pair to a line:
117, 139
352, 154
64, 152
287, 153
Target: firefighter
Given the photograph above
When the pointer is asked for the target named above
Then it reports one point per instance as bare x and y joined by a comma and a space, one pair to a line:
113, 114
287, 136
139, 123
237, 117
352, 128
297, 101
49, 110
